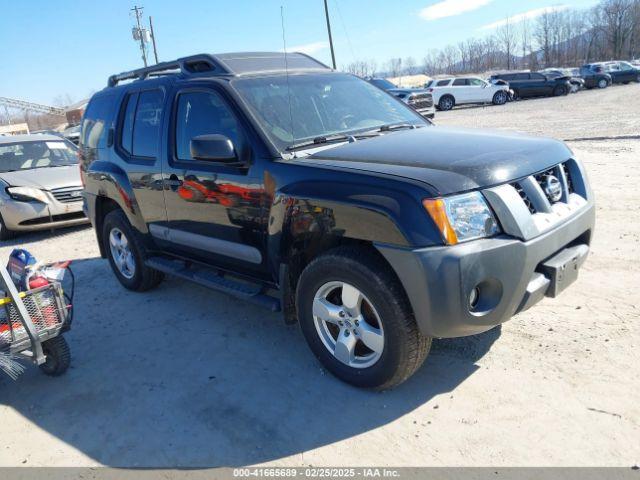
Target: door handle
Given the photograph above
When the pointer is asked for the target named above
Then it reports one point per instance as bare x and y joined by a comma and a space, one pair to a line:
174, 182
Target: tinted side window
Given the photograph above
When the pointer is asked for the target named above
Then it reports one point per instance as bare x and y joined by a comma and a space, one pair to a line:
538, 77
442, 83
94, 130
201, 113
460, 82
127, 124
146, 126
521, 76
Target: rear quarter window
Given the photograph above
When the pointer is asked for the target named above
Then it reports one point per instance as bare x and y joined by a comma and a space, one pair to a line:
97, 121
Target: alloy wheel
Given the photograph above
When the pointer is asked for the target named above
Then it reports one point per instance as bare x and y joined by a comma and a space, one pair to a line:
348, 324
121, 253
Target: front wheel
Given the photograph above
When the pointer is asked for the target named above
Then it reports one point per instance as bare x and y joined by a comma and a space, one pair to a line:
500, 98
357, 320
602, 83
5, 233
58, 356
560, 91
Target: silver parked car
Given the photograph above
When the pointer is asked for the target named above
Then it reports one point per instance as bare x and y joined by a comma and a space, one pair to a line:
40, 186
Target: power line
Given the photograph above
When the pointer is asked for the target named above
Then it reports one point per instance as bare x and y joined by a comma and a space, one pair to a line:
139, 33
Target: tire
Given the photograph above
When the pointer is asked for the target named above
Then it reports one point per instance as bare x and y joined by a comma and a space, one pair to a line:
638, 79
602, 83
500, 98
135, 275
560, 90
516, 96
5, 233
400, 348
446, 102
58, 356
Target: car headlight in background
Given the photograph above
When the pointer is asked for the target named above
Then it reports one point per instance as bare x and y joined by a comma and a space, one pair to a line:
462, 217
27, 194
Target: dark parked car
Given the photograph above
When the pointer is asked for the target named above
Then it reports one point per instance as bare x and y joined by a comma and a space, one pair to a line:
622, 72
595, 76
420, 100
314, 193
533, 84
577, 83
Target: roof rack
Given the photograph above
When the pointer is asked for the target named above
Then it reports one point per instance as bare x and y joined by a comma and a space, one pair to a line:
194, 64
237, 64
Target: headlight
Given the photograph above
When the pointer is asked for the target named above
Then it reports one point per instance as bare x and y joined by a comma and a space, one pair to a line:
462, 217
27, 194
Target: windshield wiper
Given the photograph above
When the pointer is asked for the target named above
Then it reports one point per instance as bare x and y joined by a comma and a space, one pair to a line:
320, 141
396, 126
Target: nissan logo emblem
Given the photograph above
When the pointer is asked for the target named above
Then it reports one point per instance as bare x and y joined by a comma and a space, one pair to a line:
553, 188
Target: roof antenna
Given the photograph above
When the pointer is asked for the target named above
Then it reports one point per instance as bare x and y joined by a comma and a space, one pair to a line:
286, 70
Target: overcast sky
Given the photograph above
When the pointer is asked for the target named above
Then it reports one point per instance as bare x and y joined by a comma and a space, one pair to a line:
53, 48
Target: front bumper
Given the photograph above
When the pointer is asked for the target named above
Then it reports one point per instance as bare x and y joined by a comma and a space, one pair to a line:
31, 216
513, 275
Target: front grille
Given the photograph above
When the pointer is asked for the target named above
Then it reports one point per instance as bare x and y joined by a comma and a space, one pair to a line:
524, 198
567, 175
68, 194
421, 100
534, 190
63, 217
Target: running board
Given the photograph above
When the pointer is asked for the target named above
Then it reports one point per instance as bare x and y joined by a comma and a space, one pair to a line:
211, 279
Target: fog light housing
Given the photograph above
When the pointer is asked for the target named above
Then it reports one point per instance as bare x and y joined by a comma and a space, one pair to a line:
473, 298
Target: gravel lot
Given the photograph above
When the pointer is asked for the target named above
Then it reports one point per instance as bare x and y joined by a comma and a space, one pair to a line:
185, 376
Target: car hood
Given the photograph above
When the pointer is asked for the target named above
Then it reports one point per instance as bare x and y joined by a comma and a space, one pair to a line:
448, 159
397, 91
44, 178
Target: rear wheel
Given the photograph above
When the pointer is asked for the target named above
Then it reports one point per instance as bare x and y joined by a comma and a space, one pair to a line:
602, 83
500, 98
447, 102
357, 320
126, 254
58, 356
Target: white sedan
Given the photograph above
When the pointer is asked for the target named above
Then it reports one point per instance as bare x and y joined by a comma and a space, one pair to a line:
449, 92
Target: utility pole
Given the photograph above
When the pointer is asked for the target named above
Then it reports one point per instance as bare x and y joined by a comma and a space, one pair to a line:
326, 14
140, 36
153, 40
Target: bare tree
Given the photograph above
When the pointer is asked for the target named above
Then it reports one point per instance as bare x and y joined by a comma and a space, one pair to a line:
506, 35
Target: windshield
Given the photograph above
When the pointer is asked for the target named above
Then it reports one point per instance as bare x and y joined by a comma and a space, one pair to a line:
320, 105
29, 155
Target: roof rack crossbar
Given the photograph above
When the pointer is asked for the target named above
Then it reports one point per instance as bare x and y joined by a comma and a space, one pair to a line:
187, 66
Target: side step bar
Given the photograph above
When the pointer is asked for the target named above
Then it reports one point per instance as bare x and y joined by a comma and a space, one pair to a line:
211, 279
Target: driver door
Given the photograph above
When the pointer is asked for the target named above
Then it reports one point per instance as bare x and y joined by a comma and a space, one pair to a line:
215, 209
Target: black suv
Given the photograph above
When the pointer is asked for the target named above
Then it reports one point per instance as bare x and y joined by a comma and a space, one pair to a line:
533, 84
595, 76
312, 192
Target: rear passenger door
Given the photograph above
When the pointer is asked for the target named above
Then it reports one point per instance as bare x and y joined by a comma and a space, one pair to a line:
460, 90
215, 210
138, 145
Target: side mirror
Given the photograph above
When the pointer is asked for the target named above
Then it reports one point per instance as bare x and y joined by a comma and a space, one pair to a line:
213, 148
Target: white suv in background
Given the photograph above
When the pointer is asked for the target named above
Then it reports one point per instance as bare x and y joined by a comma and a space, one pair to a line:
449, 92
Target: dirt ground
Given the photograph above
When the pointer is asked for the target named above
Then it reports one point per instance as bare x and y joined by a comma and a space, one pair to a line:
183, 376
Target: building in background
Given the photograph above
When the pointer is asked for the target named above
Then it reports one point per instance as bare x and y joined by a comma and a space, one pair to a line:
75, 111
15, 129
